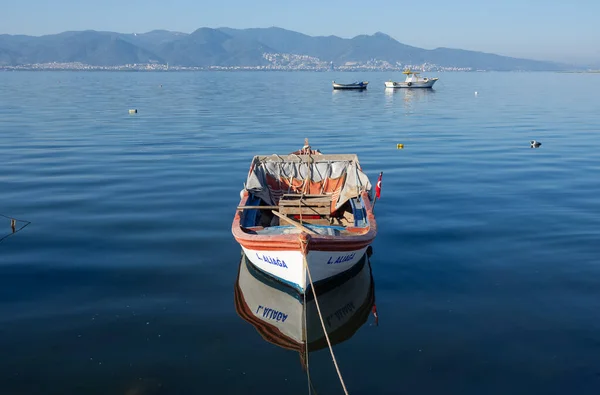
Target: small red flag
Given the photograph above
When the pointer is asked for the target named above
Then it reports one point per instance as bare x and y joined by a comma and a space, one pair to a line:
378, 186
374, 310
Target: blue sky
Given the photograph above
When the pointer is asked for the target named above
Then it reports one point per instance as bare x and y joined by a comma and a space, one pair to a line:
538, 29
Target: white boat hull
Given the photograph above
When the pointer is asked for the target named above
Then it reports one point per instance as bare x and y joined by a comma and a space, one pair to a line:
420, 84
288, 266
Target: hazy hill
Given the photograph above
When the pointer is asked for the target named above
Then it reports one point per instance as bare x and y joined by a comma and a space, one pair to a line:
90, 47
383, 47
287, 41
211, 47
330, 48
238, 47
154, 37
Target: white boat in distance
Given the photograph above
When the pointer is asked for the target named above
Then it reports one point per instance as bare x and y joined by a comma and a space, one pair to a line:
412, 81
355, 85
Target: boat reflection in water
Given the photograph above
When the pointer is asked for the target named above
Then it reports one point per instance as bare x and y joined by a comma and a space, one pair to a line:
278, 312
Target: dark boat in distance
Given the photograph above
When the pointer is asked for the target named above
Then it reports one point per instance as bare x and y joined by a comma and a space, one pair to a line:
353, 86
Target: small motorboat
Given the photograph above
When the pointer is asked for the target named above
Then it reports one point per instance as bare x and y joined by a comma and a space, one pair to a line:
355, 85
288, 320
413, 80
305, 217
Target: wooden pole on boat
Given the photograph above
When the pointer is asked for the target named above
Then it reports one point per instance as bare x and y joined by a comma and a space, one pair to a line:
257, 207
306, 150
296, 224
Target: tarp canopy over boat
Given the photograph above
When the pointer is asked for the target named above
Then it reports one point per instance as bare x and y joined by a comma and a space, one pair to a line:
337, 175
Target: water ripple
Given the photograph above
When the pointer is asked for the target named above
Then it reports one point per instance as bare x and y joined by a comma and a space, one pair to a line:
486, 262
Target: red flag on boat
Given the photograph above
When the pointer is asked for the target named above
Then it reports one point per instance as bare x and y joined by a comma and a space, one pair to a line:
374, 310
378, 186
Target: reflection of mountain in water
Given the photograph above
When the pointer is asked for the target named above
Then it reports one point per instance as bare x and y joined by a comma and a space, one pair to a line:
278, 314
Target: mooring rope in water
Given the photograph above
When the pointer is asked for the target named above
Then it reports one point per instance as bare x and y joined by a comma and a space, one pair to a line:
306, 344
311, 388
304, 245
13, 226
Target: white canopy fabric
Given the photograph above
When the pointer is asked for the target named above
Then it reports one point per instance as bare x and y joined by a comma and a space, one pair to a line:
298, 169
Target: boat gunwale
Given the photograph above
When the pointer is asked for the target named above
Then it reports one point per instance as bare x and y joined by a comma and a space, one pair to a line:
352, 83
291, 242
352, 86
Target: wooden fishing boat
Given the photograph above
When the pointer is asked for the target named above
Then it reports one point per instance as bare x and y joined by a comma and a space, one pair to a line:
286, 319
358, 85
305, 218
413, 80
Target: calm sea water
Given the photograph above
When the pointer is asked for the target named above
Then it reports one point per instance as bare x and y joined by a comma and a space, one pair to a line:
486, 265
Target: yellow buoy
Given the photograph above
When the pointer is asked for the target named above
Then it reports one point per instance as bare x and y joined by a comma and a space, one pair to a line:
133, 111
400, 146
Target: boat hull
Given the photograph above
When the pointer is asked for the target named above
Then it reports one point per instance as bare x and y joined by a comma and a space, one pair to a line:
350, 86
420, 84
281, 256
289, 267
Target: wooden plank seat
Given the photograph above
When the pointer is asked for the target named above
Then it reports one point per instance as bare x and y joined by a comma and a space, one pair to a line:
291, 204
311, 209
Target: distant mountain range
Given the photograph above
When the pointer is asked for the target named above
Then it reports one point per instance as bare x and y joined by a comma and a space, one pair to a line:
239, 47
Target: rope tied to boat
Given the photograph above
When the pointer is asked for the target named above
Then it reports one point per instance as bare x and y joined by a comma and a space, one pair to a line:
304, 241
304, 245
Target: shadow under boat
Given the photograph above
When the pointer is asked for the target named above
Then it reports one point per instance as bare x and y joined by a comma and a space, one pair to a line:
285, 318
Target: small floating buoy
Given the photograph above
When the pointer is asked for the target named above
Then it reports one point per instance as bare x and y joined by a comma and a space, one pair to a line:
535, 144
13, 225
475, 93
400, 146
133, 111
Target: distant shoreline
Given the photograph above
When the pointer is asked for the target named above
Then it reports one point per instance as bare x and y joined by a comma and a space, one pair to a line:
190, 70
581, 72
167, 68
